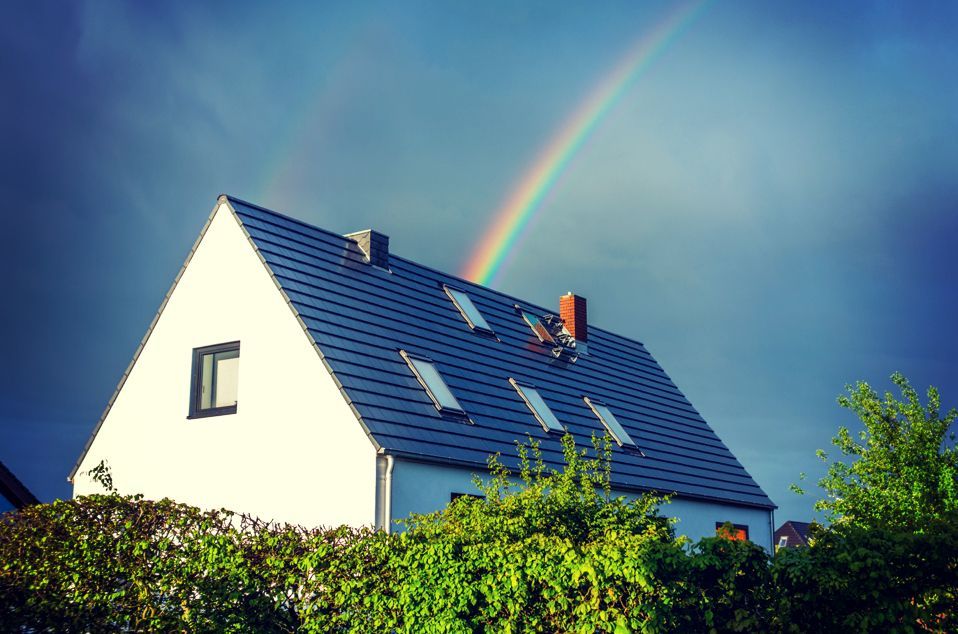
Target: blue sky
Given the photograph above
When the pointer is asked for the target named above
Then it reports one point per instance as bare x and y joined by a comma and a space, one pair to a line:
772, 208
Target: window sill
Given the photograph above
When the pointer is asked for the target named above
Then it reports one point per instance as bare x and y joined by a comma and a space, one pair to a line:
215, 411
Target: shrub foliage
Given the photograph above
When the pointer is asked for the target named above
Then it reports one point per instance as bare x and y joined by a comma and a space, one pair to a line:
543, 551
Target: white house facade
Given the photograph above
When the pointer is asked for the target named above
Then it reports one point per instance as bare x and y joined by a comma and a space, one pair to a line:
312, 378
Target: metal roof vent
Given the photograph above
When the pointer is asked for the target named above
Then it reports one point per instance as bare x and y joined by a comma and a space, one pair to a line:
375, 246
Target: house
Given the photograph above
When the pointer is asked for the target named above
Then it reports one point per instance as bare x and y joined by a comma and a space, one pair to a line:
792, 534
13, 494
304, 376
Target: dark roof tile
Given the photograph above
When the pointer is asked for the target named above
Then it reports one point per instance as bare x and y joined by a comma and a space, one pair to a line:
360, 317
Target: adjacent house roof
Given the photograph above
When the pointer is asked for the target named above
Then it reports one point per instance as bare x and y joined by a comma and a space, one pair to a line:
796, 532
360, 316
14, 490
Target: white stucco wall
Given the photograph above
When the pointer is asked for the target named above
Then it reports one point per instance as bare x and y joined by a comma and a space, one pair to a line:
293, 451
423, 488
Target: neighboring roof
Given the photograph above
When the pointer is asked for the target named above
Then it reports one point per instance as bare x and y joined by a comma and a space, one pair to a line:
360, 316
797, 533
14, 490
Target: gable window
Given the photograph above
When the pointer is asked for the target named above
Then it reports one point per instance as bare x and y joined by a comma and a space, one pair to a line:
538, 406
468, 310
735, 532
542, 332
436, 388
215, 379
611, 424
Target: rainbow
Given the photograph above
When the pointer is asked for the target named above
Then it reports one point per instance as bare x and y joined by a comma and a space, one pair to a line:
509, 223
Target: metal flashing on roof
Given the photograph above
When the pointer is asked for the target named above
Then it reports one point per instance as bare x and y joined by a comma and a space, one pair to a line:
611, 423
428, 375
467, 309
551, 331
537, 405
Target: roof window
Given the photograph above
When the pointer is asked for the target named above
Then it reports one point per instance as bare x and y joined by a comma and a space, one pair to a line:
436, 388
608, 419
469, 311
538, 327
538, 406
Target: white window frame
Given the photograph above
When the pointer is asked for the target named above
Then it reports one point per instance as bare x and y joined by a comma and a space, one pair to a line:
452, 291
547, 425
411, 361
626, 442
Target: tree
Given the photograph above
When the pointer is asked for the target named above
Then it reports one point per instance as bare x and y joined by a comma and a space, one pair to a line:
901, 471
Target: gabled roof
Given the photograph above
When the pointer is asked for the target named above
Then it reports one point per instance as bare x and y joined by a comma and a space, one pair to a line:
797, 533
13, 490
360, 317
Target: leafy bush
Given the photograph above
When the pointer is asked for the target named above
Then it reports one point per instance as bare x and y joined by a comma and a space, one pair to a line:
870, 580
553, 553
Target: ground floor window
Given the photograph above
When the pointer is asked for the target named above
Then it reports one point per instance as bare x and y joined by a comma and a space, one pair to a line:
731, 531
455, 496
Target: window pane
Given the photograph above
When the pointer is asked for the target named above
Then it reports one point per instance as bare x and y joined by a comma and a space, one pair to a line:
538, 327
206, 382
735, 533
464, 302
434, 383
226, 378
618, 433
538, 406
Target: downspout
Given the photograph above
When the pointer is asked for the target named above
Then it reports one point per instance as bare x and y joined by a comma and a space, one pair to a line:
771, 529
384, 491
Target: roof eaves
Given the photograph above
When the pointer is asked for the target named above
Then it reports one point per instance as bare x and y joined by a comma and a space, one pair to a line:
619, 486
14, 490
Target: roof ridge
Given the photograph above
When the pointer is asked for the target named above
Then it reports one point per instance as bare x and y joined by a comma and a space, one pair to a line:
235, 199
428, 267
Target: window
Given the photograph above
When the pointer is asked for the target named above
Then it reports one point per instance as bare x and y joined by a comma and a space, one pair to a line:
469, 311
455, 496
783, 541
608, 419
736, 532
213, 386
538, 406
427, 375
542, 332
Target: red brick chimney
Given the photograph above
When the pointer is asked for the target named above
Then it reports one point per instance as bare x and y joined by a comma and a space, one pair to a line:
572, 311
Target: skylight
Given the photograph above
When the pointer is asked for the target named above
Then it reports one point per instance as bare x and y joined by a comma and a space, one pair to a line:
469, 311
538, 406
542, 332
608, 419
427, 374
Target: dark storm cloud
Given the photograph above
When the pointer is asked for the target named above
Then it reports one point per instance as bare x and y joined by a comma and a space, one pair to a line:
771, 208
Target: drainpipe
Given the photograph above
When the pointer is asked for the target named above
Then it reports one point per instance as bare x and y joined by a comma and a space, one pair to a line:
771, 529
384, 491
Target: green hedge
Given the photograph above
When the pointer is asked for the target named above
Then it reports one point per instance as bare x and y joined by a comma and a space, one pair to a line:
554, 554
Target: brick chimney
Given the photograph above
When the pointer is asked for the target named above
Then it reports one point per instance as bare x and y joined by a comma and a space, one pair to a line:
573, 313
374, 244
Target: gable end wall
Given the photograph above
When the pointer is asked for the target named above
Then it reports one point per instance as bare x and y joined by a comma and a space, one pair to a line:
293, 451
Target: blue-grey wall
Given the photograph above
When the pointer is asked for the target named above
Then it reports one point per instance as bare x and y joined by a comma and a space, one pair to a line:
423, 488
